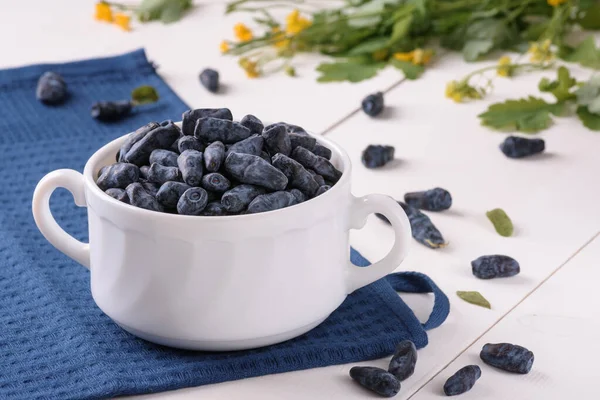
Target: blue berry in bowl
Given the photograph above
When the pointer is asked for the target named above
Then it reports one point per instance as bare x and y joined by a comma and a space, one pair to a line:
376, 380
495, 266
169, 193
215, 182
119, 194
300, 197
163, 157
214, 209
376, 156
51, 88
189, 143
238, 198
191, 117
318, 178
214, 155
403, 362
277, 140
253, 170
110, 111
253, 123
139, 197
253, 145
298, 176
191, 165
160, 174
161, 137
271, 201
320, 165
192, 202
211, 129
436, 199
372, 105
322, 189
308, 142
520, 147
151, 187
209, 78
118, 175
322, 151
462, 381
135, 137
508, 357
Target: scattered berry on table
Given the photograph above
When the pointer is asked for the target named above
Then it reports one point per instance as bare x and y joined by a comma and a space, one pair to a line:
423, 230
169, 193
322, 189
189, 143
508, 357
519, 147
192, 202
320, 165
238, 198
501, 222
377, 380
253, 145
191, 165
211, 129
462, 381
51, 88
191, 117
277, 140
271, 201
139, 197
209, 78
215, 182
376, 156
161, 174
436, 199
163, 157
372, 105
119, 194
495, 266
322, 151
214, 155
253, 170
403, 362
254, 124
118, 175
111, 110
298, 177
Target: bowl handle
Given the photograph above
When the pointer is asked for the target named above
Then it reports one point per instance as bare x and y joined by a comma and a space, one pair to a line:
358, 277
73, 182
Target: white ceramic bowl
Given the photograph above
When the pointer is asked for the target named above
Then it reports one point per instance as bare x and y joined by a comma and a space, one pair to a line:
219, 283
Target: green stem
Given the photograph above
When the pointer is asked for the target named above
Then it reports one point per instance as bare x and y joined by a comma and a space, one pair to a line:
121, 6
495, 67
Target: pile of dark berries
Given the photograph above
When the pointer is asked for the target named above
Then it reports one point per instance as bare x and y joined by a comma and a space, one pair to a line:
213, 166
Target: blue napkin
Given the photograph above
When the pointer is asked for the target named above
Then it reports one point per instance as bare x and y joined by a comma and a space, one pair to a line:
54, 342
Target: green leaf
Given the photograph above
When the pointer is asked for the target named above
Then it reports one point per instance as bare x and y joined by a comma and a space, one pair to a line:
370, 46
590, 121
400, 29
501, 222
172, 12
364, 15
165, 10
591, 19
348, 71
474, 49
529, 115
144, 95
586, 54
410, 70
589, 93
561, 87
474, 298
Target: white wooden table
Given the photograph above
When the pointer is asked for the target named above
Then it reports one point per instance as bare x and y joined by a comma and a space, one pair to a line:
552, 307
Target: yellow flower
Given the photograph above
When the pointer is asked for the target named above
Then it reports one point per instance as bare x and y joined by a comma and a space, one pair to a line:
504, 66
123, 20
295, 23
556, 3
103, 12
422, 57
224, 46
404, 56
281, 42
540, 52
380, 55
458, 91
251, 67
242, 32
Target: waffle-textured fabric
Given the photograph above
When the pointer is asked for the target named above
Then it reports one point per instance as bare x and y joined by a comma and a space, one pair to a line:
55, 343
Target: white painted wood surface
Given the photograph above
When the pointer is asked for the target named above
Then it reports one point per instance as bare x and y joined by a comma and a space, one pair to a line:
552, 199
